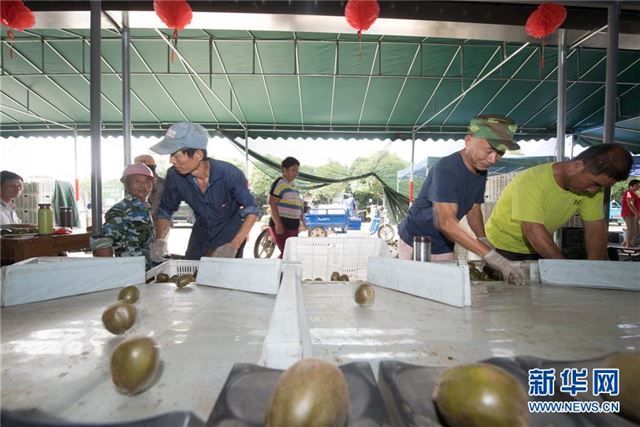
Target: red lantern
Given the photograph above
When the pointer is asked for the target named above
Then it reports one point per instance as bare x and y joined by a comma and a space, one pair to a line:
545, 20
14, 14
361, 14
175, 14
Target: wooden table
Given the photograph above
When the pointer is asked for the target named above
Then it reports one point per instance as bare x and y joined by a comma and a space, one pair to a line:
16, 249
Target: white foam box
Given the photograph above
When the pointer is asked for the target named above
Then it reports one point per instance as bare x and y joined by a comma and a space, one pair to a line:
443, 282
590, 274
244, 274
45, 278
288, 339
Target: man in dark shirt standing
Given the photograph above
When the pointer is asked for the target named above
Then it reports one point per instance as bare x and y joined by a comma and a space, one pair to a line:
454, 188
217, 192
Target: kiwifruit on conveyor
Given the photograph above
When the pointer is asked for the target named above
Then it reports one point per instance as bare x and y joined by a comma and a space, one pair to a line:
55, 354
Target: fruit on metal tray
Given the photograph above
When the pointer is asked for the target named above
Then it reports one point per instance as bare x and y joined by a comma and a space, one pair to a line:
184, 280
344, 278
130, 294
311, 393
119, 317
628, 362
335, 276
365, 295
134, 364
162, 278
480, 395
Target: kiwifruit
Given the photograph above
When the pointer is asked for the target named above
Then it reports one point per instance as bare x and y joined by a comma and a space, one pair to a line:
119, 317
344, 278
174, 278
130, 294
184, 280
134, 364
480, 395
365, 295
311, 393
628, 362
335, 276
318, 279
162, 278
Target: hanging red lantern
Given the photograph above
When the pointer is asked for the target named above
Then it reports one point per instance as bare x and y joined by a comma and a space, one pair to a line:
14, 14
361, 14
545, 20
175, 14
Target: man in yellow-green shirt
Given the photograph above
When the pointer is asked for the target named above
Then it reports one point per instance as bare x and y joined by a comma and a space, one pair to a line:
541, 199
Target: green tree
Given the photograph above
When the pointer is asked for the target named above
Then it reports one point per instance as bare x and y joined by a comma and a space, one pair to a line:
620, 187
385, 165
332, 169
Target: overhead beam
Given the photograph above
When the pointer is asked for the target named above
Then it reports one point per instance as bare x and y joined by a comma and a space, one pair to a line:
366, 91
224, 69
495, 52
264, 82
296, 72
35, 116
193, 72
56, 84
404, 82
155, 78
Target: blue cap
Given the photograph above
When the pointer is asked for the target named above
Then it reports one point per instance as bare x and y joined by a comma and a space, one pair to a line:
182, 135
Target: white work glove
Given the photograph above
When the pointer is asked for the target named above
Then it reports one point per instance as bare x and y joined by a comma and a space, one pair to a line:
225, 251
484, 240
158, 250
511, 271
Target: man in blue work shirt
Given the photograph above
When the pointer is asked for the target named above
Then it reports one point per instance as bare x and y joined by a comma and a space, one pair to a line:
216, 191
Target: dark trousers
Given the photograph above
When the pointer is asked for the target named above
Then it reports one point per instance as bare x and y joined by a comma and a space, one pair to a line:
281, 239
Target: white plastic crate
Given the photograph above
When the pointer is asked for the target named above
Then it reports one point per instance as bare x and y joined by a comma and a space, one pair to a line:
320, 256
173, 267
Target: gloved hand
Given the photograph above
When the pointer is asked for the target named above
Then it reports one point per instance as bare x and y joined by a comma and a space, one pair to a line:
225, 251
511, 271
158, 250
486, 241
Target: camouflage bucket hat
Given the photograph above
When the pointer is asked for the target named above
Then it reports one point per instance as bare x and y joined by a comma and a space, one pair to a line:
496, 129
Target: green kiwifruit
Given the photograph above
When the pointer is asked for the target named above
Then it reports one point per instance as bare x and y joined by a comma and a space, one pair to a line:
162, 278
480, 395
311, 393
134, 364
119, 317
628, 362
184, 280
335, 276
365, 295
130, 294
344, 278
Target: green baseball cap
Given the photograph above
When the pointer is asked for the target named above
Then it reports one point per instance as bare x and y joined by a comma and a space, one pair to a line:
496, 129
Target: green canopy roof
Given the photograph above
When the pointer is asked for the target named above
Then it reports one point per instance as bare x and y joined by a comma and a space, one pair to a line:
304, 84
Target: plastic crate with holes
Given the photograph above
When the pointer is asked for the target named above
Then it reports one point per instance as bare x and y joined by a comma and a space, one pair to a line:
321, 256
172, 267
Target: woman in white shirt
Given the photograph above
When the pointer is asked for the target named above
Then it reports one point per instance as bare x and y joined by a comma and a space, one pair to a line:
11, 187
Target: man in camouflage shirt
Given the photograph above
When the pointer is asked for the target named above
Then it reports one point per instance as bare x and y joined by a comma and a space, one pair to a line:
128, 228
